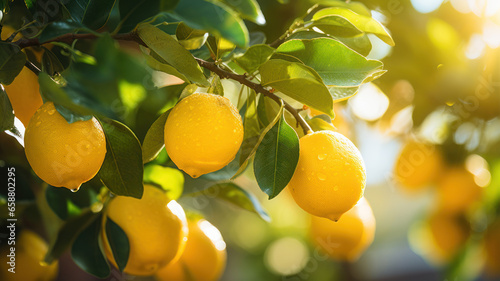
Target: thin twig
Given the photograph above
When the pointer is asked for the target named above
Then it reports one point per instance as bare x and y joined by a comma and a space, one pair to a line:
256, 87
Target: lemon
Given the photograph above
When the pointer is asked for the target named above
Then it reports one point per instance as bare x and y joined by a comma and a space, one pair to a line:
63, 154
204, 258
418, 165
330, 176
457, 190
156, 228
29, 254
348, 238
203, 133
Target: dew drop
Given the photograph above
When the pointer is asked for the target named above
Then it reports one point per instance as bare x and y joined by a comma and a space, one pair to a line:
321, 156
234, 130
302, 169
52, 111
87, 145
38, 123
335, 188
74, 189
191, 107
321, 177
347, 163
308, 178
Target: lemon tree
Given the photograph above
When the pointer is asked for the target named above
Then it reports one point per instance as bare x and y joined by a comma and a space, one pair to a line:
132, 106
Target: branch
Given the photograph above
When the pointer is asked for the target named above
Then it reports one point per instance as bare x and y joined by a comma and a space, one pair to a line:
257, 88
132, 36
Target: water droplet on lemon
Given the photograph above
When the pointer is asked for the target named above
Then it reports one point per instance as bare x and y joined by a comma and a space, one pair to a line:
322, 156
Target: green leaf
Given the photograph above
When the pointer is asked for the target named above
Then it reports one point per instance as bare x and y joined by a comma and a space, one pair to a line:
66, 204
215, 17
254, 57
171, 180
67, 233
122, 169
321, 122
164, 67
335, 62
357, 7
219, 47
133, 12
11, 62
189, 38
251, 127
248, 9
50, 63
154, 141
276, 158
6, 112
58, 28
87, 253
336, 26
172, 52
118, 243
91, 13
360, 43
363, 23
237, 196
298, 82
342, 93
216, 87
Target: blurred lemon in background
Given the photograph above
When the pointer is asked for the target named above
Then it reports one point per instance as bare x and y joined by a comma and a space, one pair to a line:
457, 190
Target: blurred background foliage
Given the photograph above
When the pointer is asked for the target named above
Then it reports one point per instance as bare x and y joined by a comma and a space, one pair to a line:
442, 88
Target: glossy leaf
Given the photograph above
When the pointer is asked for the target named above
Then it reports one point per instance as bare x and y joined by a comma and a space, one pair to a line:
132, 12
189, 38
298, 82
164, 67
219, 47
216, 87
254, 57
360, 43
118, 242
172, 52
342, 93
251, 126
91, 13
215, 17
321, 123
248, 9
66, 204
336, 26
363, 23
154, 141
276, 158
357, 7
50, 63
335, 63
87, 253
67, 233
237, 196
122, 169
11, 62
6, 112
171, 180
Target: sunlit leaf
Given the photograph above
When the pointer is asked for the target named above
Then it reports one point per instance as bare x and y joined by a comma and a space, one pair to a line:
254, 57
189, 38
154, 140
171, 180
248, 9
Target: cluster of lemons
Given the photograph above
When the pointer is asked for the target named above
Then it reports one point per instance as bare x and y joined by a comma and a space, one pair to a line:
446, 228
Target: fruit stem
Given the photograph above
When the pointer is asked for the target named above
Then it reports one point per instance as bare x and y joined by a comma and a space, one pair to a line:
257, 88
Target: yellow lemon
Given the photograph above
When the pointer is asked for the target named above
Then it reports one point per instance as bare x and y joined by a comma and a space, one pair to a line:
156, 228
30, 250
63, 154
330, 176
203, 133
348, 238
457, 190
418, 165
204, 258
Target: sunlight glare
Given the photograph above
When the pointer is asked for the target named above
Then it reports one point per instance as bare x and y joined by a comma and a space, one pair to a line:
426, 6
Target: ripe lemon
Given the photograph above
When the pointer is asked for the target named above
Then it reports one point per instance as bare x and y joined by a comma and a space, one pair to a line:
492, 249
156, 228
457, 190
23, 92
441, 236
204, 258
203, 133
348, 238
63, 154
30, 252
330, 176
418, 165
